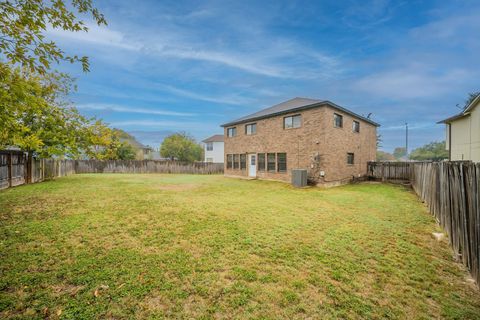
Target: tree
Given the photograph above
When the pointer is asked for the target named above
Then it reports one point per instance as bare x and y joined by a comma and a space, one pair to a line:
23, 24
384, 156
379, 140
471, 97
181, 146
126, 151
399, 152
117, 149
34, 115
434, 151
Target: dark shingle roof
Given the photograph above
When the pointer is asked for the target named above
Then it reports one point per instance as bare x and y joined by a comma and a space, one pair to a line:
214, 138
292, 105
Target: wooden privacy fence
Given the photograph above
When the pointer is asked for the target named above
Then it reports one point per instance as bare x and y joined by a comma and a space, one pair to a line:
12, 168
16, 169
452, 192
146, 166
389, 170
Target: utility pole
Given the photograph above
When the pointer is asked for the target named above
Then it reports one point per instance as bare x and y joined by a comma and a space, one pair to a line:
406, 140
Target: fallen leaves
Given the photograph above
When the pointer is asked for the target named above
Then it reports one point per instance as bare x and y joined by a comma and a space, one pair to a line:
100, 289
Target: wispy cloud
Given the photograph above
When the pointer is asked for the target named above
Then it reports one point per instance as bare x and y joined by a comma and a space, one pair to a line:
97, 35
411, 83
265, 57
230, 99
177, 125
123, 109
411, 126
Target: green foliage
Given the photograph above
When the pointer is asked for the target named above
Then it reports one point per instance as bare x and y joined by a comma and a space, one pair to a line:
434, 151
34, 115
384, 156
182, 147
399, 152
24, 22
126, 151
106, 144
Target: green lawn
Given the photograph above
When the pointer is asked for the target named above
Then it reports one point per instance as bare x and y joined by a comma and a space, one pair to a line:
202, 247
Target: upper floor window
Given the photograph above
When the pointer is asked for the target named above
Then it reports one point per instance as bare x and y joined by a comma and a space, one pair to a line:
350, 158
356, 126
209, 146
337, 120
231, 132
250, 129
292, 122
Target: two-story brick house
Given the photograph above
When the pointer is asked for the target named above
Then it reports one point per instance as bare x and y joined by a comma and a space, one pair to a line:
331, 142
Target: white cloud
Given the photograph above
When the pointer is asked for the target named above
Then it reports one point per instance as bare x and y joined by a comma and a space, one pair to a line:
99, 35
230, 99
411, 83
267, 56
117, 108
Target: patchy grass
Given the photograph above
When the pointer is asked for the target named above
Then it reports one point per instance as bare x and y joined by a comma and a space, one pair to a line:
181, 246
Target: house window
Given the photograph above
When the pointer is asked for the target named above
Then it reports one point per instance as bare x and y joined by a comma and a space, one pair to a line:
282, 162
229, 161
243, 161
292, 122
231, 132
236, 162
209, 159
350, 158
271, 162
337, 120
356, 126
250, 129
209, 146
261, 162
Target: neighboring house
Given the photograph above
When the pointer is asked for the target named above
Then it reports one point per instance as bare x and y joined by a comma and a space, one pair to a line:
463, 133
214, 147
331, 142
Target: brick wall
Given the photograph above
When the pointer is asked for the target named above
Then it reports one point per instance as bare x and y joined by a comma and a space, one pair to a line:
316, 146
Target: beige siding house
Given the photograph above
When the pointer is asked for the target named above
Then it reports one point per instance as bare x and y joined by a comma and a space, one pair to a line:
213, 149
463, 133
332, 143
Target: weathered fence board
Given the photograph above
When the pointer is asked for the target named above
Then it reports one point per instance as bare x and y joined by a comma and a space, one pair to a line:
16, 170
12, 168
452, 192
146, 166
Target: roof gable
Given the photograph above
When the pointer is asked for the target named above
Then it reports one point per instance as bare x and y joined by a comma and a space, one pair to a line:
475, 102
214, 138
292, 105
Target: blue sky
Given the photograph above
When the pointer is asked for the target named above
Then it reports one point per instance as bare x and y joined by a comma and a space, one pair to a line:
166, 66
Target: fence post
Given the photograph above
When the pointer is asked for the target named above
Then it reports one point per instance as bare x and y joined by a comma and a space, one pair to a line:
9, 161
